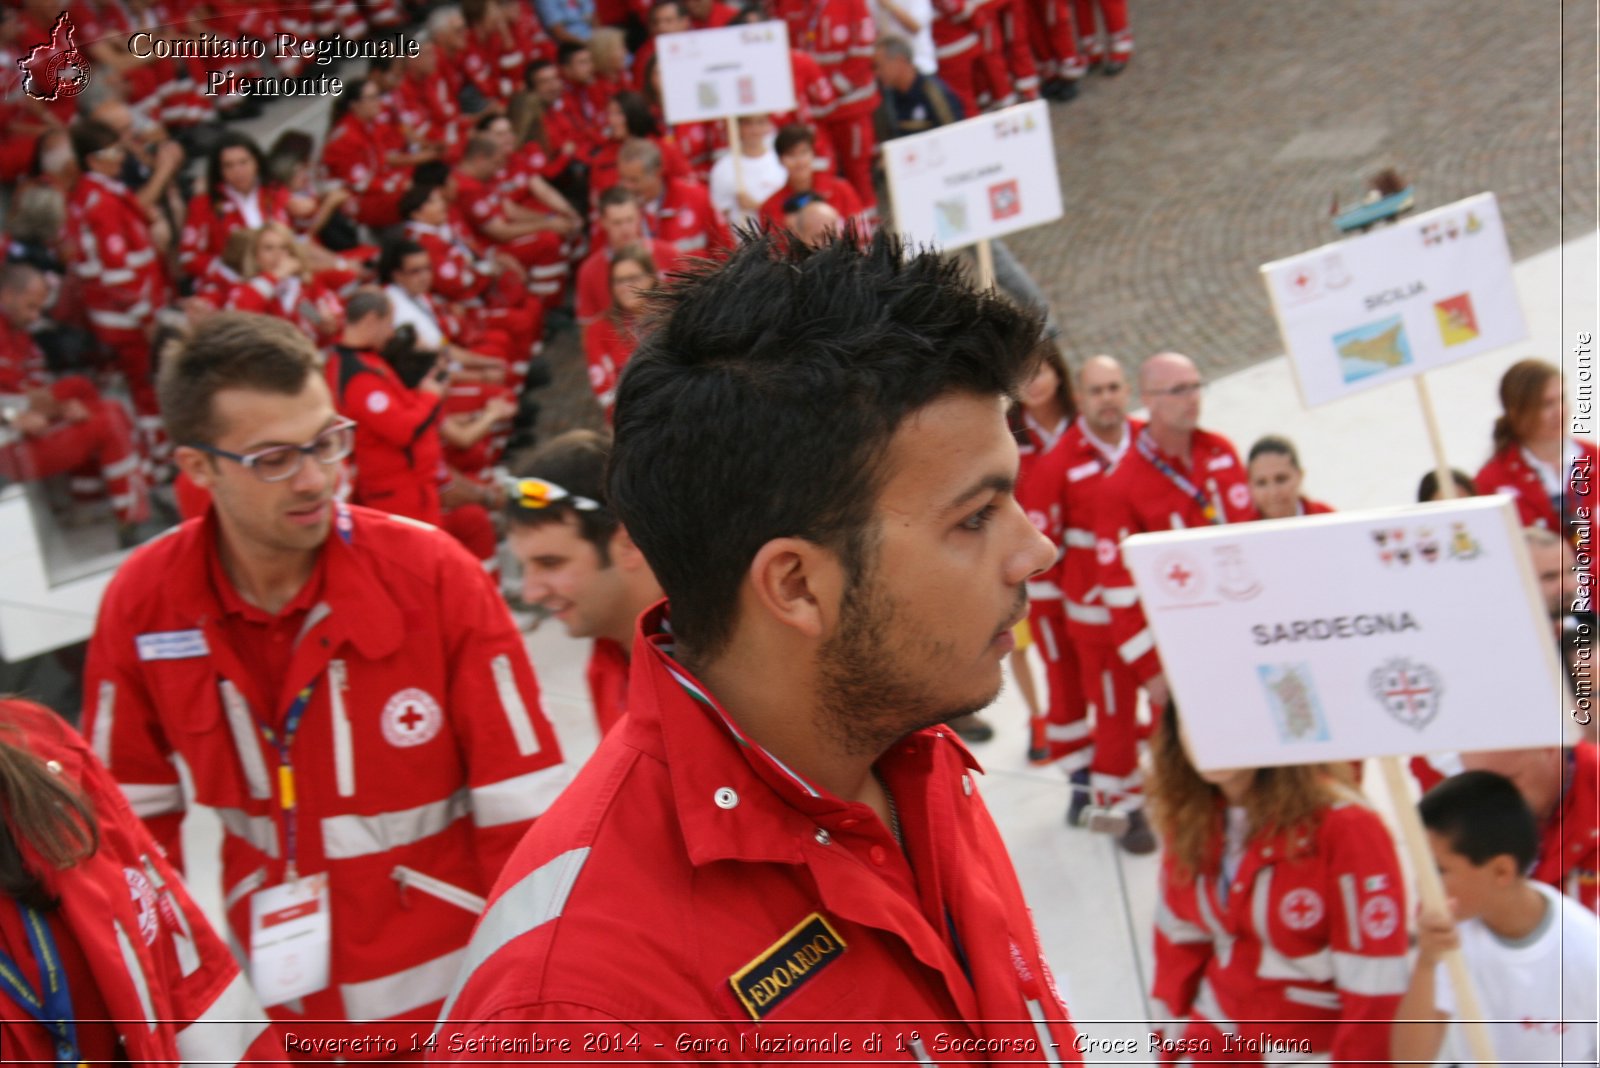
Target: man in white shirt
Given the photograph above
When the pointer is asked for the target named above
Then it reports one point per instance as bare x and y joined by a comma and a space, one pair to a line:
738, 191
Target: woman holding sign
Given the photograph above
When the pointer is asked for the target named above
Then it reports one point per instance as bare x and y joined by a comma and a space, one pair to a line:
1282, 908
1549, 474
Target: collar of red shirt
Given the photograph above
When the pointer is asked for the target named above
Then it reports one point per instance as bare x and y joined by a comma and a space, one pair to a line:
714, 765
366, 615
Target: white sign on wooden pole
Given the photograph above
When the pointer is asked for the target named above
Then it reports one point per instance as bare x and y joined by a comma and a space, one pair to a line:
1360, 634
975, 180
733, 70
1398, 301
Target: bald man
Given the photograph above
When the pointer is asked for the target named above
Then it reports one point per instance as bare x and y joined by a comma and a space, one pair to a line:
1094, 444
1174, 475
817, 222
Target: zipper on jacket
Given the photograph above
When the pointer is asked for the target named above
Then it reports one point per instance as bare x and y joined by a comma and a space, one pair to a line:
446, 892
344, 757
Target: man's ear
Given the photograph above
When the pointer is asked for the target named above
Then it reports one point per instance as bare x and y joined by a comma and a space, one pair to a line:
623, 552
798, 583
1503, 867
194, 463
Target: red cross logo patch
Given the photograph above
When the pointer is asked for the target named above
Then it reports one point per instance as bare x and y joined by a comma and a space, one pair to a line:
1300, 909
411, 717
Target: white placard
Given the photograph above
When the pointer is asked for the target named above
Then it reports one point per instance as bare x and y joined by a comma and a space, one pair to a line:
1398, 301
734, 70
1337, 637
975, 180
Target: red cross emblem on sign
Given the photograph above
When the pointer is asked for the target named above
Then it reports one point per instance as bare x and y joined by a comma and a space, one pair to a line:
1179, 576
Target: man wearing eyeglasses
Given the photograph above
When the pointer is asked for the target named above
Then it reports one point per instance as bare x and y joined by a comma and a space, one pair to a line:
346, 688
578, 561
1174, 476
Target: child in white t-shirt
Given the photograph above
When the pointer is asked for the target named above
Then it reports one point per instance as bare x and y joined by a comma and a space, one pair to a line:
1531, 952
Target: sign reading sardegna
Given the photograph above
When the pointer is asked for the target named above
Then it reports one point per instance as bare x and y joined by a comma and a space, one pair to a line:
1431, 638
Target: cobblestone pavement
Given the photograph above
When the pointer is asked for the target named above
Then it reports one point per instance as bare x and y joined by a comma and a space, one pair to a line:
1223, 144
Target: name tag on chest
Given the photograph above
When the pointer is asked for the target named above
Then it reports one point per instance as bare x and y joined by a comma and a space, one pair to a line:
172, 645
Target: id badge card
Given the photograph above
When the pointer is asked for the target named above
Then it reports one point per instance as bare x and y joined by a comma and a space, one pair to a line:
290, 939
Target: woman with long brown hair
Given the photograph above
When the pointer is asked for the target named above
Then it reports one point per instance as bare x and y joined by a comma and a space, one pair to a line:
104, 957
610, 340
1548, 472
1281, 925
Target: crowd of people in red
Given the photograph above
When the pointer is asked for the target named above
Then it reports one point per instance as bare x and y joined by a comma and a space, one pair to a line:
499, 150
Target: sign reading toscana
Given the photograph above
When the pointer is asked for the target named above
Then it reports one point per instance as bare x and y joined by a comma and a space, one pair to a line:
1380, 633
1398, 301
975, 180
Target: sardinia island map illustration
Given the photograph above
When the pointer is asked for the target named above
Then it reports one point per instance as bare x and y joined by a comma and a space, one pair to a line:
55, 69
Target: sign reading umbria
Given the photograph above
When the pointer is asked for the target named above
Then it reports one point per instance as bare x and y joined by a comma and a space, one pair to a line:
1398, 301
1338, 637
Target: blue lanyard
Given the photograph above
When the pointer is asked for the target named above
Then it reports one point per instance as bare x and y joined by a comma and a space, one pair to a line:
283, 743
53, 1006
1147, 449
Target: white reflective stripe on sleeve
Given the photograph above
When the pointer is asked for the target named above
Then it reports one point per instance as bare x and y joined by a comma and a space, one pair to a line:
1047, 640
1219, 934
1352, 914
548, 270
1047, 1045
117, 277
104, 705
1066, 732
1314, 967
223, 1033
402, 991
140, 257
1097, 615
135, 970
344, 837
535, 899
344, 755
125, 466
1178, 930
1373, 977
524, 797
259, 831
1078, 538
153, 799
1043, 591
1321, 999
448, 892
511, 703
957, 47
920, 1052
245, 740
1120, 596
1136, 646
690, 244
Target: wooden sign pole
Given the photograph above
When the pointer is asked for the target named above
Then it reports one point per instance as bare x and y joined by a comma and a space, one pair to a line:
985, 265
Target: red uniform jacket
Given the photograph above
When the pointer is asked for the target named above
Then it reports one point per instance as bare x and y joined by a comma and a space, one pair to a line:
494, 62
1137, 497
311, 307
357, 156
836, 191
608, 344
1508, 471
458, 272
687, 875
1084, 468
1569, 846
208, 224
1309, 942
608, 683
22, 366
684, 217
136, 948
113, 256
398, 453
840, 35
421, 758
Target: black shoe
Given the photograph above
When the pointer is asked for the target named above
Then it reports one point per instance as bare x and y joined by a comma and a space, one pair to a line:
1114, 67
971, 729
1138, 839
1059, 92
1039, 754
1080, 797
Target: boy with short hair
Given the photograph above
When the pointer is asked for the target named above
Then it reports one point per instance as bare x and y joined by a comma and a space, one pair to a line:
1530, 950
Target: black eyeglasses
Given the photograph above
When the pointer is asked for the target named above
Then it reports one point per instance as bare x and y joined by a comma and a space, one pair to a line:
281, 462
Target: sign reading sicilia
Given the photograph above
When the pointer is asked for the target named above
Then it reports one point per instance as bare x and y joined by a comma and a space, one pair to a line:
1398, 301
1380, 633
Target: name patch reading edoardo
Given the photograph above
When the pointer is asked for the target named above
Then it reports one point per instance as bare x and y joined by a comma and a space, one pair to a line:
786, 966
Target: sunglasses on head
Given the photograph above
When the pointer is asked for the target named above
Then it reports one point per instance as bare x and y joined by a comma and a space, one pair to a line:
536, 493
